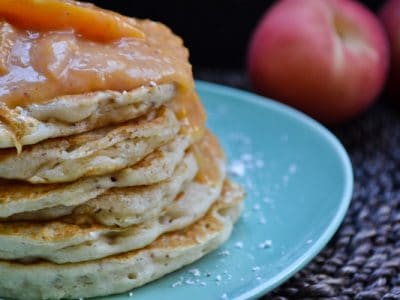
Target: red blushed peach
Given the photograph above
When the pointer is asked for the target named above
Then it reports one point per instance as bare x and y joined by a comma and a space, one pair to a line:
327, 58
390, 16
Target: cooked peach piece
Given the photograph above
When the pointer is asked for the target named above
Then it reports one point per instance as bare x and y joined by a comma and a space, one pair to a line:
87, 20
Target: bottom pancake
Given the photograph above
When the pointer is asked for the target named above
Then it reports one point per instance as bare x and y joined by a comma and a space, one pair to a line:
120, 273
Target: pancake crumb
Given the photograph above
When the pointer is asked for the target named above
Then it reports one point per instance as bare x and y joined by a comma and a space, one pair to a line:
266, 244
178, 283
239, 245
195, 272
237, 168
224, 253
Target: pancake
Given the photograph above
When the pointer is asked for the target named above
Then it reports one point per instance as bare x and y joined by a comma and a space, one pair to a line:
120, 273
63, 241
116, 206
92, 153
74, 114
19, 199
105, 225
123, 207
143, 201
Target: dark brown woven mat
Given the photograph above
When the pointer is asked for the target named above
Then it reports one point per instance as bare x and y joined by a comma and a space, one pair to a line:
362, 261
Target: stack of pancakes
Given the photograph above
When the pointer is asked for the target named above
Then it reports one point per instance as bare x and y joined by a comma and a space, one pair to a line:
103, 191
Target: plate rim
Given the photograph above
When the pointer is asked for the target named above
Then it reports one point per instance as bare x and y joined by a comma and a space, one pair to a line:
337, 219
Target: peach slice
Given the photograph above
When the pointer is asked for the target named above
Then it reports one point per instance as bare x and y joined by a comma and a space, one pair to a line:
89, 21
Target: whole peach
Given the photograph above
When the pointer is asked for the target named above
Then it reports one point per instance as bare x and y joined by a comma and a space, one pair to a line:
329, 58
390, 16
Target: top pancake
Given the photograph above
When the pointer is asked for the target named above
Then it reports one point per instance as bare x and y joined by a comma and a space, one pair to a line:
58, 83
69, 115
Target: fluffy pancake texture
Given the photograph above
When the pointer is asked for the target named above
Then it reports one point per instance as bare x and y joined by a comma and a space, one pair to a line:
41, 202
62, 242
119, 220
92, 153
120, 273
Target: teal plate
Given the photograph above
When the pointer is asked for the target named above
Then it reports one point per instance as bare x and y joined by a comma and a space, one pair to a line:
299, 183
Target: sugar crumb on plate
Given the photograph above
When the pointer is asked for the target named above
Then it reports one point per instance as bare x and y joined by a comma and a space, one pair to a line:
239, 245
265, 244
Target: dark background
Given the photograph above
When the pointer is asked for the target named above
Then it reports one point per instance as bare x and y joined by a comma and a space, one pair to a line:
215, 31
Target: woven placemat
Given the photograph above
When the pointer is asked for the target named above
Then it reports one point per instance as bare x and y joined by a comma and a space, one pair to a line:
362, 261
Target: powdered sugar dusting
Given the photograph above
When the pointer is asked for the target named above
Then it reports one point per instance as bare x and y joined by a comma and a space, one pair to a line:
256, 269
224, 253
264, 178
195, 272
239, 245
178, 283
237, 168
246, 162
265, 244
